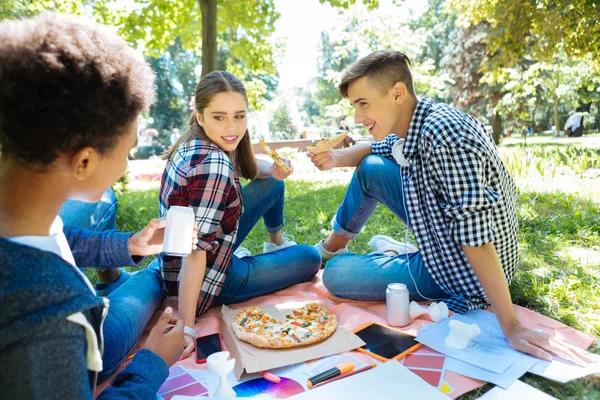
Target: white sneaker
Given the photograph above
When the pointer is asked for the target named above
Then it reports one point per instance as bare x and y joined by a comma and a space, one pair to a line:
288, 240
326, 254
384, 243
242, 252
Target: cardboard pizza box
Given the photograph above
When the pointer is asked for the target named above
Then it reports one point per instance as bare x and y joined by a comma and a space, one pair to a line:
252, 359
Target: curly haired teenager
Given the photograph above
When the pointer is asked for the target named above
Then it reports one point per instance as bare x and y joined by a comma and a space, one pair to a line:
70, 95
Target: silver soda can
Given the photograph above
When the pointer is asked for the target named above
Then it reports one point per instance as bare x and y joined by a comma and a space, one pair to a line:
397, 304
179, 231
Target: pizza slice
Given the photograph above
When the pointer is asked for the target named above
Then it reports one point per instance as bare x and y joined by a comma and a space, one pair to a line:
324, 145
273, 154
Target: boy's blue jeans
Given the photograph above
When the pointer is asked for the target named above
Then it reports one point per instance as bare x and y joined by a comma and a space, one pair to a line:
365, 277
131, 304
101, 216
258, 275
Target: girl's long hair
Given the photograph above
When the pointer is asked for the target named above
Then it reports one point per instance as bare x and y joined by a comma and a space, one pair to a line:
210, 85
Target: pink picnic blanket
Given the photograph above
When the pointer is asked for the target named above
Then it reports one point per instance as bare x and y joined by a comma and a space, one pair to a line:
353, 314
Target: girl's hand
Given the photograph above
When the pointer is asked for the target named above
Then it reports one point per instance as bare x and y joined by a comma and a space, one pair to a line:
278, 173
189, 346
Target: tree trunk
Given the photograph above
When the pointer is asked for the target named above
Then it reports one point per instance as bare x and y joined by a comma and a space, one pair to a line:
208, 9
496, 127
533, 127
556, 127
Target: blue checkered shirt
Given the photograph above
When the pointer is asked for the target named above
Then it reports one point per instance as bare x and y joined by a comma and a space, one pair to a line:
457, 191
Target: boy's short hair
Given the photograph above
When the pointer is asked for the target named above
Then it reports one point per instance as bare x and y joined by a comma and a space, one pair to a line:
384, 68
67, 83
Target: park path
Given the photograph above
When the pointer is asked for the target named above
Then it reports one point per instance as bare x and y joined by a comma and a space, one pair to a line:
146, 174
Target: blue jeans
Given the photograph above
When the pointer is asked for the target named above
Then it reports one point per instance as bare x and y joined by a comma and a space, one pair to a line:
101, 216
254, 276
131, 304
365, 277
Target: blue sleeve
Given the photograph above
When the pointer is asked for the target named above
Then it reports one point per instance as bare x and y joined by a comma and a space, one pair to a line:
141, 379
384, 148
108, 249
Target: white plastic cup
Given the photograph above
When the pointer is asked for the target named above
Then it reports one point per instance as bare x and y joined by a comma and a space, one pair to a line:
397, 304
179, 231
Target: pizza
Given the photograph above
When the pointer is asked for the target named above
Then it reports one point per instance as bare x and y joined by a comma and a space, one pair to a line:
324, 145
273, 154
307, 325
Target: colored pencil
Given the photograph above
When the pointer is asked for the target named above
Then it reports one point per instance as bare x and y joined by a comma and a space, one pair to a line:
338, 370
337, 378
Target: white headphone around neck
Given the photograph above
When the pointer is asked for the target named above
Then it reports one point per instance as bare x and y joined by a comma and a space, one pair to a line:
397, 149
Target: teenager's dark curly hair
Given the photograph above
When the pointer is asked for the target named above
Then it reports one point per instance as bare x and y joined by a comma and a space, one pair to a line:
67, 83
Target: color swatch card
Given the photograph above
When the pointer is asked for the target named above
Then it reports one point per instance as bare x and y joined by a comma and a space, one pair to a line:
262, 388
293, 380
430, 367
181, 382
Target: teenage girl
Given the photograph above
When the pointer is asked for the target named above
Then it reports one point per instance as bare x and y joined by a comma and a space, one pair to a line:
202, 172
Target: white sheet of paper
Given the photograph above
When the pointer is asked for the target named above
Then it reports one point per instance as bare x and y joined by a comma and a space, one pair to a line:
523, 364
562, 371
490, 350
386, 381
518, 390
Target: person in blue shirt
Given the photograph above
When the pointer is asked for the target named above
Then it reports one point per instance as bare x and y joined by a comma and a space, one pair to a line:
70, 95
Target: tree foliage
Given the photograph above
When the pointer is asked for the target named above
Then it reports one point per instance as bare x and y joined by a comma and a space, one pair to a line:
436, 24
345, 4
280, 125
360, 31
528, 85
243, 28
10, 9
334, 57
496, 59
175, 82
536, 29
518, 57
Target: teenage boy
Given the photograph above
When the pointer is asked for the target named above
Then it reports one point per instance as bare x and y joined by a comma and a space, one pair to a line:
438, 170
70, 95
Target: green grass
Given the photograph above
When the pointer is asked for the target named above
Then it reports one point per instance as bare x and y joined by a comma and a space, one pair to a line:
548, 281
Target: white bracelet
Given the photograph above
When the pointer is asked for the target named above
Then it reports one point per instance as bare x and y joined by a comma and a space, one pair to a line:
190, 332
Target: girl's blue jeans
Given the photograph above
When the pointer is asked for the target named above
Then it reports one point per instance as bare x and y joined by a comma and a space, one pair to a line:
258, 275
